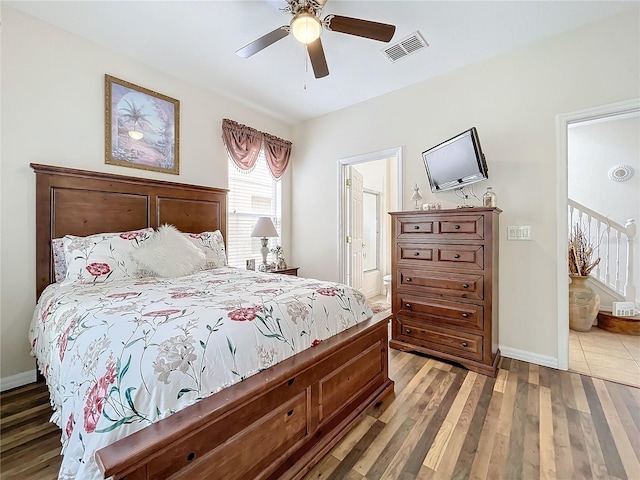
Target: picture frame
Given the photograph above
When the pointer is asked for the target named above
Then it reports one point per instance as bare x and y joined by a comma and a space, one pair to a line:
142, 127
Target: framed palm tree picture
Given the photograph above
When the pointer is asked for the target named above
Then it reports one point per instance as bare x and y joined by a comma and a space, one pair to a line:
142, 127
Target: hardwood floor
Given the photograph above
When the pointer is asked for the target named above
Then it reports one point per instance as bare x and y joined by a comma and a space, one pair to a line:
29, 444
530, 422
445, 422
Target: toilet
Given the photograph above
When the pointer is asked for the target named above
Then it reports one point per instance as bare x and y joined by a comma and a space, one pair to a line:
386, 282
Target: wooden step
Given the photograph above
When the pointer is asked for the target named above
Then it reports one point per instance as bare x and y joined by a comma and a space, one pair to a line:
624, 325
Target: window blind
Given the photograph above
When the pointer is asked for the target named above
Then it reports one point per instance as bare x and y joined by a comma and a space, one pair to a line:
251, 195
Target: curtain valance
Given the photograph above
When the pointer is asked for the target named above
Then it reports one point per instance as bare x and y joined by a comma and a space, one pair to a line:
244, 143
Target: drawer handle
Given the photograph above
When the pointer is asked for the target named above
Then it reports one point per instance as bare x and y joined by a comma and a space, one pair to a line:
416, 227
408, 306
408, 279
290, 382
465, 315
464, 344
191, 456
457, 255
457, 227
290, 412
408, 331
465, 285
416, 254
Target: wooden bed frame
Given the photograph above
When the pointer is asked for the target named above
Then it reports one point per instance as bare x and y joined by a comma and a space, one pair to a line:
276, 424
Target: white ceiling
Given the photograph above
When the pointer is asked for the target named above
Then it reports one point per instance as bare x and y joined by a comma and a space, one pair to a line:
196, 41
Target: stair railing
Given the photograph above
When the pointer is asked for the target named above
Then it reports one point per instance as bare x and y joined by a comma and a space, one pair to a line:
613, 244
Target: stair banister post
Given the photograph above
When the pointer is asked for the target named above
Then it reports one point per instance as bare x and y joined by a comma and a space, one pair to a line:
630, 287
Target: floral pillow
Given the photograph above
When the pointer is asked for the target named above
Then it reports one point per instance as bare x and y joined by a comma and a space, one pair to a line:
103, 257
59, 262
212, 244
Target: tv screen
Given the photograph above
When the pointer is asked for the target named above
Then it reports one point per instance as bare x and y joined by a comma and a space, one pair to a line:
455, 163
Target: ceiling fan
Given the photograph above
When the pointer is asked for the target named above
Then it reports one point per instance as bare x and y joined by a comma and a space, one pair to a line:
306, 27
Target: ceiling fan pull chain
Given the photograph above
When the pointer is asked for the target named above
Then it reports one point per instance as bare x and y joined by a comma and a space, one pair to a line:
306, 70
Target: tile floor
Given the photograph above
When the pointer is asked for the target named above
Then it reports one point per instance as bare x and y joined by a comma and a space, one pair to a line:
605, 355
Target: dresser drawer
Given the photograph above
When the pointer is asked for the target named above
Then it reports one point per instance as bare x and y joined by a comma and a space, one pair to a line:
453, 342
461, 285
435, 311
435, 255
464, 227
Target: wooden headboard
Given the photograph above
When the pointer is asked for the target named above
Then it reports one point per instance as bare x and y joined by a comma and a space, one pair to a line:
80, 202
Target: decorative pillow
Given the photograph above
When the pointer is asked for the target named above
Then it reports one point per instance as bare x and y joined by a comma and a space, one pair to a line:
212, 244
59, 262
169, 254
103, 257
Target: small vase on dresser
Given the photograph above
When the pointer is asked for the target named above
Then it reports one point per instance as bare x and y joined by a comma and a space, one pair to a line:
584, 304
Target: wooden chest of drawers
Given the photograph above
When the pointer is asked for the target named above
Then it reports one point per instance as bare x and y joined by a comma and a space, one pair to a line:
445, 285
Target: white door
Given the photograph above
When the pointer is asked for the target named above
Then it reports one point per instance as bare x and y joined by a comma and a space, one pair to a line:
355, 228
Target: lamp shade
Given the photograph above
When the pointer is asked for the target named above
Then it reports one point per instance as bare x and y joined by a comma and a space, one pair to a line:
306, 27
264, 228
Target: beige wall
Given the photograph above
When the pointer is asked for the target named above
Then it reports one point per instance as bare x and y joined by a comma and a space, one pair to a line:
53, 113
513, 100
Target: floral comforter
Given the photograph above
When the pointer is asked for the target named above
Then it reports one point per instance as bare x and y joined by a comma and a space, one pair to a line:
122, 355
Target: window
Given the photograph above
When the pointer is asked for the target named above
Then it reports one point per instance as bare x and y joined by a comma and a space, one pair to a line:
251, 195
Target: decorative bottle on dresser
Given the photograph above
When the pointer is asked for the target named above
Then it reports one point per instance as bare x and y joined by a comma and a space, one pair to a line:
489, 198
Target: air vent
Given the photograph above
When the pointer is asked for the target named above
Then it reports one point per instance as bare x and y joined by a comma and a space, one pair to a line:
405, 47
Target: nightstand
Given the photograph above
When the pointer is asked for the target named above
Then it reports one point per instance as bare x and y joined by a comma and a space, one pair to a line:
286, 271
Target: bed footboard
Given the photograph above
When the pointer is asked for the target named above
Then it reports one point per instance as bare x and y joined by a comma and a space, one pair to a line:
276, 424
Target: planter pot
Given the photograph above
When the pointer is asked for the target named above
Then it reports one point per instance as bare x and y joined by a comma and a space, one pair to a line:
584, 304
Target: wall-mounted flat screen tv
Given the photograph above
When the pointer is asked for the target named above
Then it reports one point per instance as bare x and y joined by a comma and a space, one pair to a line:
456, 162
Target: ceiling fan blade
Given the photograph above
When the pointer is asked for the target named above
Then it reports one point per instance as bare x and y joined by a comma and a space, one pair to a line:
318, 60
263, 42
382, 32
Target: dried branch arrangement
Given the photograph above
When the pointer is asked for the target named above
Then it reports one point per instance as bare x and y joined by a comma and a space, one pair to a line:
580, 253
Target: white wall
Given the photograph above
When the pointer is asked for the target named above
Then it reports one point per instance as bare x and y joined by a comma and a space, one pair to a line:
513, 100
52, 112
595, 147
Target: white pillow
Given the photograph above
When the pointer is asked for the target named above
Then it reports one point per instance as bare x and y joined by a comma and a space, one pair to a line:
212, 244
169, 254
103, 257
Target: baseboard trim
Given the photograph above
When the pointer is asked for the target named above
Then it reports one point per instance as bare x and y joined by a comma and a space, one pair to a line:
530, 357
17, 380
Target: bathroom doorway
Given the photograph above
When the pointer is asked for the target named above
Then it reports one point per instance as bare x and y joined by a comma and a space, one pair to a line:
364, 265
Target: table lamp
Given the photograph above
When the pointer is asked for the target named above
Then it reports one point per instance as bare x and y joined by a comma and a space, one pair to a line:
264, 228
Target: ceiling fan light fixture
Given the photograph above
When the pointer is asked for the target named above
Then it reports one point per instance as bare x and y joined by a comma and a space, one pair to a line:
306, 27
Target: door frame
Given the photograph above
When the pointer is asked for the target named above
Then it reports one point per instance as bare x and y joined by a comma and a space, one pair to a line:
343, 164
563, 121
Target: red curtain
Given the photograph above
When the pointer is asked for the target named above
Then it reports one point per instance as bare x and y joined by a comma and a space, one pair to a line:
277, 152
244, 143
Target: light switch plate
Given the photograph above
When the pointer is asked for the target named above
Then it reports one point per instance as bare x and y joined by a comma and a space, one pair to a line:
518, 232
